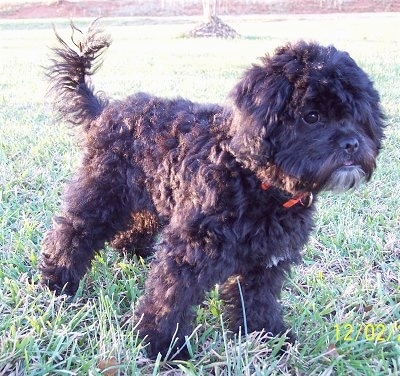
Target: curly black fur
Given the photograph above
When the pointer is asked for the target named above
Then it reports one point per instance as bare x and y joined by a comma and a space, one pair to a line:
302, 120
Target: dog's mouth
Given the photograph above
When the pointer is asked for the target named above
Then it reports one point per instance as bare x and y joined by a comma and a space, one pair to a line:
347, 176
348, 166
348, 163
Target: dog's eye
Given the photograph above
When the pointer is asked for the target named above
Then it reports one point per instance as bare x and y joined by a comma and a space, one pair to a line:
311, 117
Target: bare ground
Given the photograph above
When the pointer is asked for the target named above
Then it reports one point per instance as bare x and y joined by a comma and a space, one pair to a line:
106, 8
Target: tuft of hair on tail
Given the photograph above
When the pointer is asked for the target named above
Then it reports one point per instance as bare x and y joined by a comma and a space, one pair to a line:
69, 74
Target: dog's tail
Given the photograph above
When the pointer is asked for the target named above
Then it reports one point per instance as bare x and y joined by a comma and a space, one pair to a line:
69, 75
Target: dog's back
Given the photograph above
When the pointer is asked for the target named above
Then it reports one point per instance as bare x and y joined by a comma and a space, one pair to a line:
162, 129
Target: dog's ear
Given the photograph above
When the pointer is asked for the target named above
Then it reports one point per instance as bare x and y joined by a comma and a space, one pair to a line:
367, 109
258, 102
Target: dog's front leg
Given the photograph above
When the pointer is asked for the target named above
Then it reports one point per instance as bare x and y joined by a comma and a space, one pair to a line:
179, 276
251, 299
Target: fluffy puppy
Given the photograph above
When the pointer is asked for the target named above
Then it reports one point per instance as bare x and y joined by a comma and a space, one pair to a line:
231, 188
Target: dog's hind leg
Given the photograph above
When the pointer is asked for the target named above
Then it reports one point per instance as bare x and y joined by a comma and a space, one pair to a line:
97, 204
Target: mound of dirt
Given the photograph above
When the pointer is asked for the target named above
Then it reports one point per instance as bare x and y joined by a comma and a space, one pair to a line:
215, 28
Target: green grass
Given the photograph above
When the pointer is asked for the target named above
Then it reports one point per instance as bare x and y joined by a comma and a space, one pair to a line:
350, 276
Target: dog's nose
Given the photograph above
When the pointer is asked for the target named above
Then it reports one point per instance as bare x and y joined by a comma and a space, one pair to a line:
350, 144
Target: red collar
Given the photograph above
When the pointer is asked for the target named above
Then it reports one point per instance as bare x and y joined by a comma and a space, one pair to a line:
304, 199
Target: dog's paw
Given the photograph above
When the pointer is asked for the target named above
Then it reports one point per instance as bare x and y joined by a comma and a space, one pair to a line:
57, 278
290, 339
177, 352
157, 342
281, 340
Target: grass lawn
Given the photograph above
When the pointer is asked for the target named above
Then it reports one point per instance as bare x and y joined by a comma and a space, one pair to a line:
343, 302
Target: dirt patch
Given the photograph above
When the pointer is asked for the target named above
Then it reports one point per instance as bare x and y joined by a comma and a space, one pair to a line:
215, 27
107, 8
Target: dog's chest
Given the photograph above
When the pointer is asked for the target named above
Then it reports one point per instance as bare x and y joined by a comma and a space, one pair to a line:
279, 236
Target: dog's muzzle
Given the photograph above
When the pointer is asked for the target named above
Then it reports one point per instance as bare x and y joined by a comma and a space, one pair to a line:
345, 178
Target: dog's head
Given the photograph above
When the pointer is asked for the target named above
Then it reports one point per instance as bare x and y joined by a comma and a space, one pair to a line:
307, 118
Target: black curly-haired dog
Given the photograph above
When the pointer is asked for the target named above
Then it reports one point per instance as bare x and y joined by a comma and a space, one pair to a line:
231, 188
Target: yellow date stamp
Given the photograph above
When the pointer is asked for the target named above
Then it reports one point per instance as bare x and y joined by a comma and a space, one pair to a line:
373, 332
